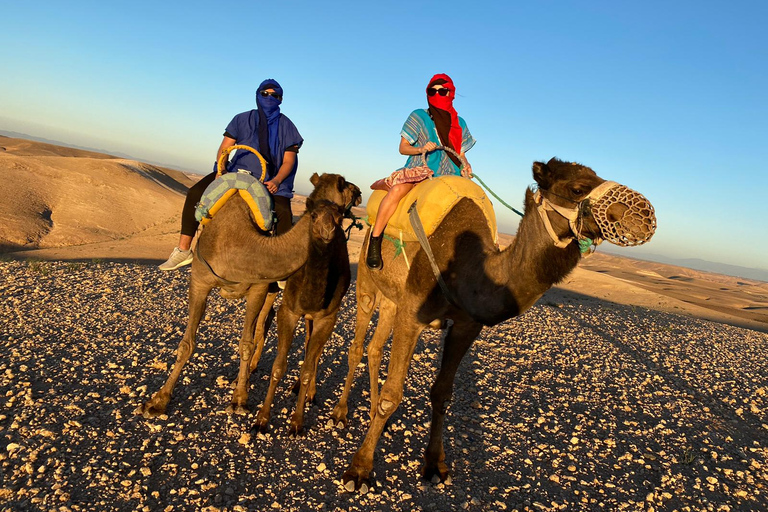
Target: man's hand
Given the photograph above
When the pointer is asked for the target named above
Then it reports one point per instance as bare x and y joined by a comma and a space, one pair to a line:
272, 185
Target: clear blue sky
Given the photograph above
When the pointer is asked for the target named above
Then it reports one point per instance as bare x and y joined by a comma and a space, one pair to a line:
668, 98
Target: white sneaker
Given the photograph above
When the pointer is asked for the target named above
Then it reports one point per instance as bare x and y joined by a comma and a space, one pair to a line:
177, 259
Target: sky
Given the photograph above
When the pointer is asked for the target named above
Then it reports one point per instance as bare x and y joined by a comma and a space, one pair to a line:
667, 98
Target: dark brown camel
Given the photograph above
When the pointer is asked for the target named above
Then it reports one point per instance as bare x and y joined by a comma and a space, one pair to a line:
234, 255
487, 286
314, 293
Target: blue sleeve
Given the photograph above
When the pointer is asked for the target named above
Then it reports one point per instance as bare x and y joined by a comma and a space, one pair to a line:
467, 140
289, 135
236, 125
411, 128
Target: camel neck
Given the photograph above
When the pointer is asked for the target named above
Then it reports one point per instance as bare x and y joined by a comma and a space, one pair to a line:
511, 281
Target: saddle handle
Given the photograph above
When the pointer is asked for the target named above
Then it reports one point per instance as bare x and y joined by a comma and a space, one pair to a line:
224, 157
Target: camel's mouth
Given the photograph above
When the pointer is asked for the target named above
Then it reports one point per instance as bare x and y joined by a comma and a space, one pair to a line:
625, 217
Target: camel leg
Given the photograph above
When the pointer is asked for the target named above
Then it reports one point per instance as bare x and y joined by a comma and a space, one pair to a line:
321, 331
458, 339
198, 293
254, 302
367, 298
307, 335
406, 335
262, 327
387, 312
286, 324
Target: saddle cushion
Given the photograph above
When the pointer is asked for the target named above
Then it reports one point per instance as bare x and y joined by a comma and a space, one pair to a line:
249, 188
436, 197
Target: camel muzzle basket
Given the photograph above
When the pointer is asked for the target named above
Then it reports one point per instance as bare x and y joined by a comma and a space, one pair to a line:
625, 217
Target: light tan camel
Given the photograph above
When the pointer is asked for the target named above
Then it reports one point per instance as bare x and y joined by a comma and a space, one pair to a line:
234, 255
487, 286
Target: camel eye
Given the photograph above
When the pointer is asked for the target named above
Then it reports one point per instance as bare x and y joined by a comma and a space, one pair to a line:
578, 191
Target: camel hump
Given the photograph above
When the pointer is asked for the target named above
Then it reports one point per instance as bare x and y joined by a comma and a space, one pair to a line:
436, 197
249, 188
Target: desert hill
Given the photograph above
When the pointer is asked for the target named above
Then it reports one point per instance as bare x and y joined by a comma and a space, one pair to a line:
56, 197
61, 203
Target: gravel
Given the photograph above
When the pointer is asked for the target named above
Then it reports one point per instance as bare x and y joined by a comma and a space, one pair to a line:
576, 405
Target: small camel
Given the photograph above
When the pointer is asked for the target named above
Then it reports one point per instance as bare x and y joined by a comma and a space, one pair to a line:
234, 255
314, 293
487, 286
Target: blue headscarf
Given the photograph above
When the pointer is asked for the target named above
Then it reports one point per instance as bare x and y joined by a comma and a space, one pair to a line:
269, 121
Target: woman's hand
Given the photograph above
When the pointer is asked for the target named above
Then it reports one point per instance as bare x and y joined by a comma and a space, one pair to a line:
466, 171
426, 148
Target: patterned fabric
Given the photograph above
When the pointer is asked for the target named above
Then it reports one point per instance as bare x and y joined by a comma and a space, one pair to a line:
224, 187
420, 129
404, 175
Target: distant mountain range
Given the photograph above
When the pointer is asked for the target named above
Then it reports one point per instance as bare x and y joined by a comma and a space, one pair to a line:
703, 265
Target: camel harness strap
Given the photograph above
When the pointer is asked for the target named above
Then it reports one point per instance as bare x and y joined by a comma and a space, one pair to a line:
418, 229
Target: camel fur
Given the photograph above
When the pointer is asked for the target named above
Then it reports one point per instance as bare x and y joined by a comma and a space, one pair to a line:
233, 254
488, 286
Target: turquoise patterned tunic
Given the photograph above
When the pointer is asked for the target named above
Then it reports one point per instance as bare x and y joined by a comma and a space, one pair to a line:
420, 129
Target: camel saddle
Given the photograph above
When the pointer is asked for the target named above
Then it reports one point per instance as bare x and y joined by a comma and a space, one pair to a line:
436, 197
255, 194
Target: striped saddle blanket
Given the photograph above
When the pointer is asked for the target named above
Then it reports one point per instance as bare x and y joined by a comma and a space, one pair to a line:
249, 188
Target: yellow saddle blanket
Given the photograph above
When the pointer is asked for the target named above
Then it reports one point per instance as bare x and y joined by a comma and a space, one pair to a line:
436, 197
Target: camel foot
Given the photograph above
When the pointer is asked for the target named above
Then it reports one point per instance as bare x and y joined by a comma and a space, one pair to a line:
436, 474
296, 431
261, 425
338, 418
238, 409
153, 407
357, 479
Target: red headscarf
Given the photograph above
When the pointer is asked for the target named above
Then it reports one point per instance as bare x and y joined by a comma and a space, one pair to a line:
444, 115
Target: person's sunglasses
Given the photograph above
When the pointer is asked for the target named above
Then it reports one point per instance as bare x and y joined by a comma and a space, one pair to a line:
441, 92
273, 94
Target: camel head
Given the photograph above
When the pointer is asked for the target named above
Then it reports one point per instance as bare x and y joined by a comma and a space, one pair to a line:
334, 188
589, 207
325, 217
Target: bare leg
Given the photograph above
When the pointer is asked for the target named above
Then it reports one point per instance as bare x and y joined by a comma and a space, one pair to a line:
254, 302
366, 305
458, 339
321, 332
198, 293
185, 242
388, 206
286, 324
406, 334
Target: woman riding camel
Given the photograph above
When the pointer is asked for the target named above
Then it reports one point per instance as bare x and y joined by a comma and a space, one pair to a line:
422, 133
276, 138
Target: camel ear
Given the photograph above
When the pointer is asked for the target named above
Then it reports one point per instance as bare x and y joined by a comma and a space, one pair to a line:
314, 179
357, 196
542, 174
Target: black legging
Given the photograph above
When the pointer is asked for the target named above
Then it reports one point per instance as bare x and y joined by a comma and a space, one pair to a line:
189, 223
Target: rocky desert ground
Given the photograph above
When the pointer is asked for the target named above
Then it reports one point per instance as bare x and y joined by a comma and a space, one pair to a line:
632, 386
